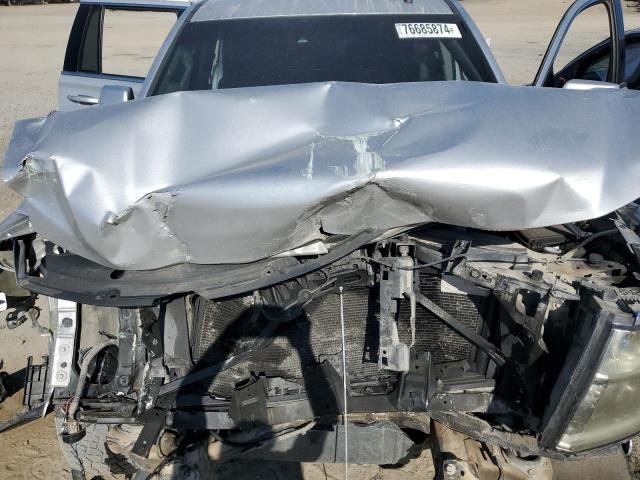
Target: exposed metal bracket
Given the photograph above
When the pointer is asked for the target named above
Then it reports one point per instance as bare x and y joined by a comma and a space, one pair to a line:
396, 282
64, 341
458, 457
417, 385
127, 339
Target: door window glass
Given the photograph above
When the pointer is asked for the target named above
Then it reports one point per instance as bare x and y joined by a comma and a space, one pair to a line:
90, 53
588, 29
595, 65
131, 39
632, 67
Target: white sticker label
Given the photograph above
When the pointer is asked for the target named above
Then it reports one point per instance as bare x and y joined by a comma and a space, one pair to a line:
428, 30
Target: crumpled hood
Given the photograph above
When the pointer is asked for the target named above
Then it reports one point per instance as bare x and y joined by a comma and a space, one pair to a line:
238, 175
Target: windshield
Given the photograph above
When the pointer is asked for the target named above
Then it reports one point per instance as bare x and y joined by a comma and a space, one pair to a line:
286, 50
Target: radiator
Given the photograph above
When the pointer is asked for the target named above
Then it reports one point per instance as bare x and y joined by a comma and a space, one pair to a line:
228, 327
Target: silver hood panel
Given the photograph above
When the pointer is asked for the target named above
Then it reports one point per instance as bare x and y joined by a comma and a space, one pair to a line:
238, 175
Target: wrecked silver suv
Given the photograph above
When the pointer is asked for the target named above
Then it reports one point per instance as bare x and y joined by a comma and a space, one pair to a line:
316, 245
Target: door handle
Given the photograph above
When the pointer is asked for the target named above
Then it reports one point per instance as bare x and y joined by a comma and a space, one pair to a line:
83, 99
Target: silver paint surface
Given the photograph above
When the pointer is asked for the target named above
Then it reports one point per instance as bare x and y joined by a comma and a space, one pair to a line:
238, 175
233, 9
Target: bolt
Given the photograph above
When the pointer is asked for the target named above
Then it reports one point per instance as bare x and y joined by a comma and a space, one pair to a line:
474, 274
124, 380
450, 469
404, 250
536, 275
595, 259
64, 348
61, 376
67, 322
304, 295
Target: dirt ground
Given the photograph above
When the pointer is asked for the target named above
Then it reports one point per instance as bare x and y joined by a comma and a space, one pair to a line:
32, 45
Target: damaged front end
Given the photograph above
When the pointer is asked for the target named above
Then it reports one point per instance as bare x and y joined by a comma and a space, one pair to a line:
387, 268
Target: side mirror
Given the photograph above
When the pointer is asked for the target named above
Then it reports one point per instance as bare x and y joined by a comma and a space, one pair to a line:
112, 94
577, 84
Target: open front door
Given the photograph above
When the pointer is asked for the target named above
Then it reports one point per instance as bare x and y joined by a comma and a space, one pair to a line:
616, 67
112, 44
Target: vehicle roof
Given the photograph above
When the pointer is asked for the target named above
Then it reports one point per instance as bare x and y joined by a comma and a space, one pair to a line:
234, 9
144, 3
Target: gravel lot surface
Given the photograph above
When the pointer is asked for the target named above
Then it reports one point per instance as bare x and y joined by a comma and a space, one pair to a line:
32, 45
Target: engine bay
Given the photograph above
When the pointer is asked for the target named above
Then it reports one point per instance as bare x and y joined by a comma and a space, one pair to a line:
484, 333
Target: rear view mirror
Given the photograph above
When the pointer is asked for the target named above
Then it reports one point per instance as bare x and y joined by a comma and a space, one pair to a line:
111, 94
577, 84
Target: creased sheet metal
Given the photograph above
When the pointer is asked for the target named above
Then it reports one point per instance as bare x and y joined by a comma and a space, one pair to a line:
238, 175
